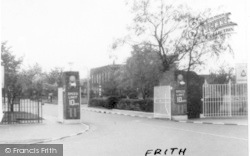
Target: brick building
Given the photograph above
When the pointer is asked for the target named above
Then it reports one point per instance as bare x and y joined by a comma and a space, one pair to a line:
101, 75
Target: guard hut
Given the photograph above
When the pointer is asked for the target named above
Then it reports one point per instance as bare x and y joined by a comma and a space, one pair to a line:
69, 102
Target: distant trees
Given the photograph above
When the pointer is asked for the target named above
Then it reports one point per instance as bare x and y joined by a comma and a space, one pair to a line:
29, 82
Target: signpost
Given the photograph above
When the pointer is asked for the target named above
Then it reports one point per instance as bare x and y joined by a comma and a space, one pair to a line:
180, 96
180, 91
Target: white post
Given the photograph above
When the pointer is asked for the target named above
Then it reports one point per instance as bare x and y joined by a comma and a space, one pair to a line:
230, 98
170, 105
204, 86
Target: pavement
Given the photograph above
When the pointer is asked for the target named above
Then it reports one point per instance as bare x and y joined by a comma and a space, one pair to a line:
237, 121
49, 130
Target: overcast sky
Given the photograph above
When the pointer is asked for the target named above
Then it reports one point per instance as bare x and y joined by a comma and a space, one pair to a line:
56, 32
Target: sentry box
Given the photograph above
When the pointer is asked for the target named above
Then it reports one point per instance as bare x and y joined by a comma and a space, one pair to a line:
69, 98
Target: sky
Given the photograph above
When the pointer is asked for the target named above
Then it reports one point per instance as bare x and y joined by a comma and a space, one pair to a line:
78, 34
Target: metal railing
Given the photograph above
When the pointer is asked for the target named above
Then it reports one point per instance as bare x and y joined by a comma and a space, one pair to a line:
22, 111
225, 100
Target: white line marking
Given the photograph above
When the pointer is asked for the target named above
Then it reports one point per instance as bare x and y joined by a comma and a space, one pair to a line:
182, 121
198, 122
216, 135
218, 123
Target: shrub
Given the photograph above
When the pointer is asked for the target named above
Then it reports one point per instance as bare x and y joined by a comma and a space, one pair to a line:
136, 105
106, 102
111, 102
97, 102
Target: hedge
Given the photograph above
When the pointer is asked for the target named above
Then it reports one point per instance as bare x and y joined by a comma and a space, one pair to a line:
97, 102
136, 105
106, 102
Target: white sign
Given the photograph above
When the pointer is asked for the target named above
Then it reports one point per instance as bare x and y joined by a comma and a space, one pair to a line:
241, 73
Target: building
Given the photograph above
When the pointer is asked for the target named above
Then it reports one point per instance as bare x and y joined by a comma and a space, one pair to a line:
100, 76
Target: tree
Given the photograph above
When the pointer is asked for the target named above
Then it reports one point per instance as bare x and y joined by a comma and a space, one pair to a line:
176, 33
32, 80
222, 76
53, 80
158, 25
142, 70
199, 42
11, 65
110, 87
55, 76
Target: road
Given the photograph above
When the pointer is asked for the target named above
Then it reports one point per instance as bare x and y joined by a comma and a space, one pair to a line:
117, 135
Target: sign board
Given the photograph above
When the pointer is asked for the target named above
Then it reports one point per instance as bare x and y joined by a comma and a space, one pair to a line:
71, 95
241, 73
180, 95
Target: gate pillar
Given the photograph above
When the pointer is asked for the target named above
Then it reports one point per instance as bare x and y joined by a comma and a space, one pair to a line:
178, 94
69, 104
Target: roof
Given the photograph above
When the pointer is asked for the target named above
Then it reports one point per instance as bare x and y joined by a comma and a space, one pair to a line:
105, 68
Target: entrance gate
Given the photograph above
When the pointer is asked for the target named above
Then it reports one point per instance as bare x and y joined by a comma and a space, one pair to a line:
22, 110
225, 100
162, 102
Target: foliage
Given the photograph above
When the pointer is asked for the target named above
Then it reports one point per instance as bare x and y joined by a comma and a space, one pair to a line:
195, 46
32, 80
158, 24
222, 76
53, 80
106, 102
111, 102
141, 72
97, 102
170, 31
55, 76
111, 86
145, 105
11, 65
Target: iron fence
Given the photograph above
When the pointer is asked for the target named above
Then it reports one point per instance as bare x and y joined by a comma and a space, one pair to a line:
21, 111
225, 100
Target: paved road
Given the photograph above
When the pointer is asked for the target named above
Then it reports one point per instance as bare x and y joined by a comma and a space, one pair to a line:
116, 135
